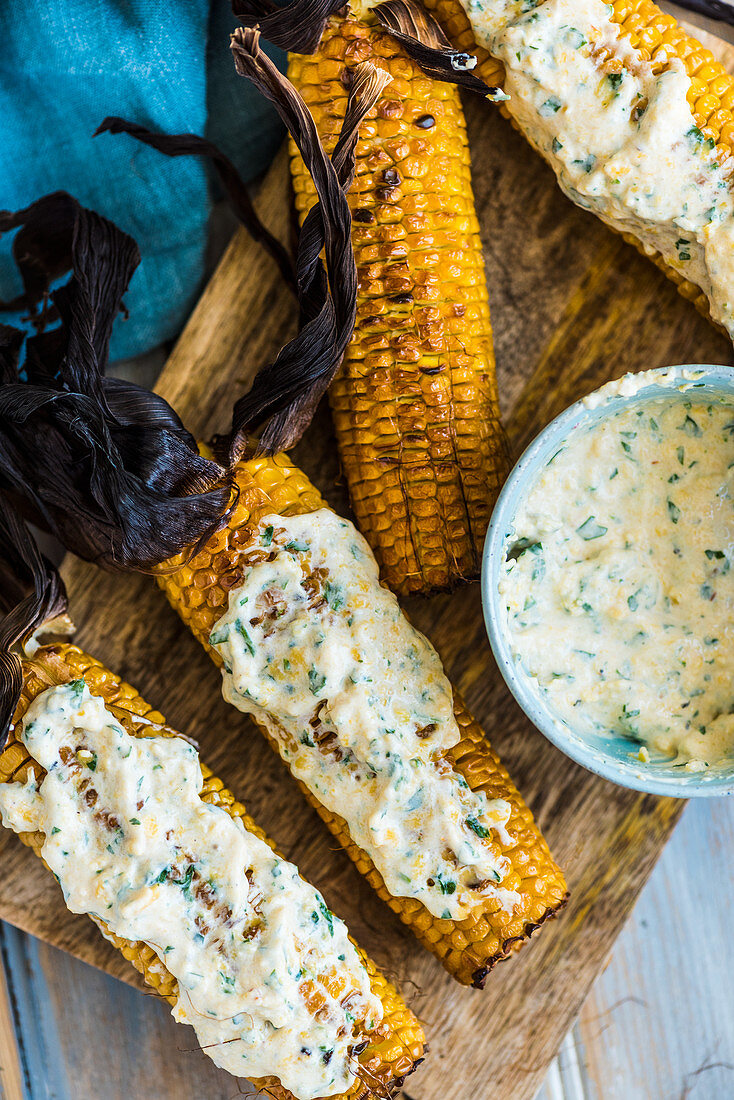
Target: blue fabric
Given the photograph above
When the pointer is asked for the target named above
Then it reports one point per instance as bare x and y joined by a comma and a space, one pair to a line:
63, 67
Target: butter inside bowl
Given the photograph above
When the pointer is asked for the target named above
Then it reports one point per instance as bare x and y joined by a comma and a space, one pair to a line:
608, 581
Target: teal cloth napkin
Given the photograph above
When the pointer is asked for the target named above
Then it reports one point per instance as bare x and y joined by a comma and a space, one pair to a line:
63, 68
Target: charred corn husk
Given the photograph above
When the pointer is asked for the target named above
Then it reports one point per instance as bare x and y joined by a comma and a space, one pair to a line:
415, 402
659, 45
392, 1049
199, 589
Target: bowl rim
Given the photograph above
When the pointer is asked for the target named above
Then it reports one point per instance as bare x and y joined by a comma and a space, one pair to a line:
563, 736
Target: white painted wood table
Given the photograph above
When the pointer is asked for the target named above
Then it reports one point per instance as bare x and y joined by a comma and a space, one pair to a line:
657, 1025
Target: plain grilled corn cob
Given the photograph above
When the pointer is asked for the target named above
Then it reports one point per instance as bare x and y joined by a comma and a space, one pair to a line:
658, 37
199, 590
395, 1046
415, 402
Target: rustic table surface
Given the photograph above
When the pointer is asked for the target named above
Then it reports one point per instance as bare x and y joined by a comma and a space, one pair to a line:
657, 1025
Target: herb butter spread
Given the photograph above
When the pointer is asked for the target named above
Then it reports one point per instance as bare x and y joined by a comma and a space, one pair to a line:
316, 649
621, 139
255, 951
619, 585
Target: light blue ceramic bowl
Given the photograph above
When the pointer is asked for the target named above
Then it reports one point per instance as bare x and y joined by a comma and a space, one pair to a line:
612, 756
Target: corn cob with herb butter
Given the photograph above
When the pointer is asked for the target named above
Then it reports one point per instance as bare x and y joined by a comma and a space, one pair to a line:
286, 600
633, 114
415, 401
286, 597
64, 687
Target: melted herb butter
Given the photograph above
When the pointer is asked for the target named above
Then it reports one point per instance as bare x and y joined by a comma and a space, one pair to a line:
254, 949
319, 652
624, 553
622, 141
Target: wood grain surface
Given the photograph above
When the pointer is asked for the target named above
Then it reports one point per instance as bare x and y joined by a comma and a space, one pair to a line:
572, 307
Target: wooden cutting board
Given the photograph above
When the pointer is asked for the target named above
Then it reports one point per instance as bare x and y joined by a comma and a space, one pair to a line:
572, 307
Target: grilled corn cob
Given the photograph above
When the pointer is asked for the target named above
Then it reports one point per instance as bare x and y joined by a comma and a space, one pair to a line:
415, 402
658, 39
199, 590
394, 1047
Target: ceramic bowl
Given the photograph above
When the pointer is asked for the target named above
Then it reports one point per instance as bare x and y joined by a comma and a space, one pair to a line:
610, 755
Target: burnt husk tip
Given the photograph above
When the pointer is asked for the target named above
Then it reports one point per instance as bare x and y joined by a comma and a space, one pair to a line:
31, 594
101, 463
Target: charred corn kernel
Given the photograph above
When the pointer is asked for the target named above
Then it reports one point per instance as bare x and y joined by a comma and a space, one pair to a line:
659, 38
415, 402
394, 1047
199, 590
